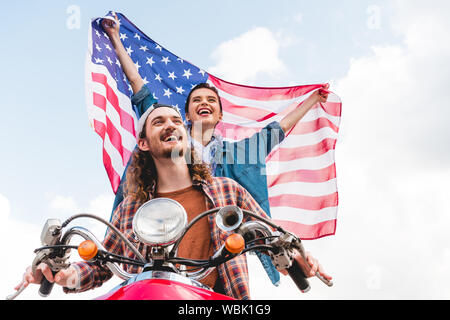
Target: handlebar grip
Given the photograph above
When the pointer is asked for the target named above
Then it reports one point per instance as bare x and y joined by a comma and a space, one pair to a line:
297, 275
46, 286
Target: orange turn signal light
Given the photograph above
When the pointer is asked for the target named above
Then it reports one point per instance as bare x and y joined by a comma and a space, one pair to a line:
87, 250
235, 243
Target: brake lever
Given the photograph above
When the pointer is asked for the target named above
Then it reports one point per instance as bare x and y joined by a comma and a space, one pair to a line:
40, 257
55, 262
15, 294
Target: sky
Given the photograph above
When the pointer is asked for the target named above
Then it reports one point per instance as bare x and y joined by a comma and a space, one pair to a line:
388, 61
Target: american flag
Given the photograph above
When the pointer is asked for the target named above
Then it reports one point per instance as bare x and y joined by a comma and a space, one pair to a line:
301, 172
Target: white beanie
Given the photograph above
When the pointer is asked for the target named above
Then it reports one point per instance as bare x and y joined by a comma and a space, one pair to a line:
143, 118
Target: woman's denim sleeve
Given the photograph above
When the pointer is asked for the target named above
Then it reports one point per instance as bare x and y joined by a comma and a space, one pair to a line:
265, 140
142, 100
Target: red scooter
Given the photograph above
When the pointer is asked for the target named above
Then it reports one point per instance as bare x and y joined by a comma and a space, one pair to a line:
162, 223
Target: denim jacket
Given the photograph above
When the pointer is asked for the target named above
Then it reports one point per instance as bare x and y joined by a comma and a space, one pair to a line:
244, 162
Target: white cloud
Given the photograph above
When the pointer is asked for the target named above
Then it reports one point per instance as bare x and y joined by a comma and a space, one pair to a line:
393, 170
392, 167
26, 238
102, 205
428, 34
63, 204
298, 17
248, 56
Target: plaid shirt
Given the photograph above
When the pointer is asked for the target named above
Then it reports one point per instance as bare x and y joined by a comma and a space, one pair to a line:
221, 192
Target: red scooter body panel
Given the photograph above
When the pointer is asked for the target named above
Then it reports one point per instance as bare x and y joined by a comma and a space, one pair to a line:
162, 289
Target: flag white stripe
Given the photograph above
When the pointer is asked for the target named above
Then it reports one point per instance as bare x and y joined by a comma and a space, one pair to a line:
274, 167
307, 217
124, 100
334, 98
128, 139
311, 115
311, 189
307, 139
317, 113
116, 159
245, 122
97, 114
275, 106
302, 140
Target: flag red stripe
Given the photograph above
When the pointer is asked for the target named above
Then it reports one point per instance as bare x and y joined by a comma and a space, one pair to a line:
258, 114
332, 108
114, 135
237, 132
126, 120
309, 232
311, 176
116, 141
304, 202
288, 154
114, 178
250, 113
255, 93
100, 129
99, 101
312, 126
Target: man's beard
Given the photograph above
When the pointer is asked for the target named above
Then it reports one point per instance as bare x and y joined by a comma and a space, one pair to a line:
175, 153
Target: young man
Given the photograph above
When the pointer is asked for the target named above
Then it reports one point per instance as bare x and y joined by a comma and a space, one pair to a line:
161, 155
243, 161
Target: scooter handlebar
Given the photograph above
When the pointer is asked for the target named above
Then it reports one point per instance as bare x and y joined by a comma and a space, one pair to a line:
297, 275
46, 286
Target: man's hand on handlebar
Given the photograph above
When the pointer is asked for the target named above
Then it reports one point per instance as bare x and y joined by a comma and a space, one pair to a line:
311, 267
66, 278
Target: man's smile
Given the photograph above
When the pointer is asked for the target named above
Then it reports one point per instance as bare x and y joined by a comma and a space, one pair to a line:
171, 137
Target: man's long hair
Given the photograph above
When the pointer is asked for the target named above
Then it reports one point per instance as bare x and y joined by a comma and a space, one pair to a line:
141, 176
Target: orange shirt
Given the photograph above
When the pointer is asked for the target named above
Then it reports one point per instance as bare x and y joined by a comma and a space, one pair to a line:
197, 243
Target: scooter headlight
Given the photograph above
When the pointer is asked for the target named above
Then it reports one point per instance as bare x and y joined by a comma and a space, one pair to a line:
159, 222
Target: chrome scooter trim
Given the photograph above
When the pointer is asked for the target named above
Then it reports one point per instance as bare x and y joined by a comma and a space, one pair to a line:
87, 235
